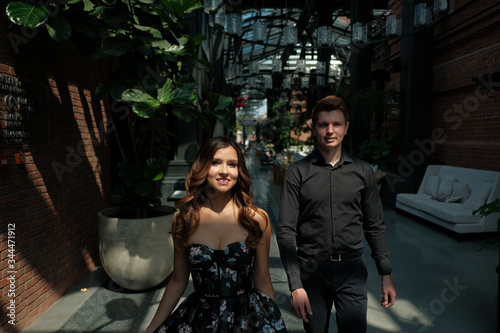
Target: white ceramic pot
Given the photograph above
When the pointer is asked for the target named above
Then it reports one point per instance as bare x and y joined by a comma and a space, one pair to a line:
137, 254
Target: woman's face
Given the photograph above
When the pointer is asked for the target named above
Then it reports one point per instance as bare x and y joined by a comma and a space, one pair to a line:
223, 173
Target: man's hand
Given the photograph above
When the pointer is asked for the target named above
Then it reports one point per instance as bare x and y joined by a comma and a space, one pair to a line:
388, 291
300, 304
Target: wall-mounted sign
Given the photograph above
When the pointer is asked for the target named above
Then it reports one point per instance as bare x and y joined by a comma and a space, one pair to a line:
24, 118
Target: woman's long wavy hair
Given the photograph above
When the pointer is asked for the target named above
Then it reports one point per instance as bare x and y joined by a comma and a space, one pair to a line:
187, 218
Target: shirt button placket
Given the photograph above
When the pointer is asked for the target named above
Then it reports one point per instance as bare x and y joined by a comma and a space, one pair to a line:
332, 209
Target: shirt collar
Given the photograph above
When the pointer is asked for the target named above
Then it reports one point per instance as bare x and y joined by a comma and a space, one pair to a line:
317, 158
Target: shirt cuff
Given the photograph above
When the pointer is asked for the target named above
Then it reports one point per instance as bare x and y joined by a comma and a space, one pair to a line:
294, 282
384, 267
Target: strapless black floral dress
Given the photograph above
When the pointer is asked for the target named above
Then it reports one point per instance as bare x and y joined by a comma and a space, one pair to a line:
224, 299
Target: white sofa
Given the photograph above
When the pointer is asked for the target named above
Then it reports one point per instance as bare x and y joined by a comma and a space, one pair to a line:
471, 187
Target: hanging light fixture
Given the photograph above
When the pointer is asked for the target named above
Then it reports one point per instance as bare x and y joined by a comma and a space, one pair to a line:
333, 73
277, 65
320, 73
259, 31
253, 67
290, 35
268, 82
359, 33
422, 16
440, 7
211, 5
301, 66
252, 82
220, 16
234, 24
324, 35
392, 26
304, 82
287, 81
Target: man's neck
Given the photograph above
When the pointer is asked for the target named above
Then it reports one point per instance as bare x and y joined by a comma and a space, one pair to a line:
331, 155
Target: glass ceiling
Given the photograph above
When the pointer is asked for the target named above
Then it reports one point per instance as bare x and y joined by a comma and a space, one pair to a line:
243, 50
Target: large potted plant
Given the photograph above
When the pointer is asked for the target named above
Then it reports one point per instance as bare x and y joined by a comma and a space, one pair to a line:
151, 55
487, 209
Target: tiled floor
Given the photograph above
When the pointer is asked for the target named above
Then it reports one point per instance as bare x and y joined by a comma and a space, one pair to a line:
443, 285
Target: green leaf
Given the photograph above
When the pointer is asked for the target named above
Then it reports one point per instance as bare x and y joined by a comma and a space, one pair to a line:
136, 95
191, 5
223, 103
183, 96
88, 6
198, 39
146, 109
165, 46
116, 46
182, 115
117, 89
24, 14
59, 28
165, 94
182, 7
154, 32
205, 63
115, 16
103, 90
227, 119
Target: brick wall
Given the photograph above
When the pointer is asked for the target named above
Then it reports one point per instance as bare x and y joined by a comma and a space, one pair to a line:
49, 203
467, 45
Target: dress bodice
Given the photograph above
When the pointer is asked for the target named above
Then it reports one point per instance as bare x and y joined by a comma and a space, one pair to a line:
224, 299
227, 272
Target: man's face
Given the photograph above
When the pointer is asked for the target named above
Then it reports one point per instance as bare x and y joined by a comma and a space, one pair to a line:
330, 129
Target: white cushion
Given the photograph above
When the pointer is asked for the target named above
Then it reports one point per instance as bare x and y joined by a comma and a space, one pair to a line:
461, 190
449, 212
431, 185
478, 196
412, 200
446, 184
446, 197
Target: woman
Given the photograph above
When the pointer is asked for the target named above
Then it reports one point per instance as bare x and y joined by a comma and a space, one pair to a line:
223, 240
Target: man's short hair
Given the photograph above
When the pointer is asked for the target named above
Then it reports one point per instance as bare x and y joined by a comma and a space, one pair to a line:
330, 103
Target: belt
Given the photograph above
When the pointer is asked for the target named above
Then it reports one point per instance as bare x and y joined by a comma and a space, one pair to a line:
346, 255
335, 256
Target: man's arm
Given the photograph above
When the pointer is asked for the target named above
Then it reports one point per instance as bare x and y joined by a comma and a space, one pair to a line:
286, 236
374, 226
388, 292
373, 223
287, 227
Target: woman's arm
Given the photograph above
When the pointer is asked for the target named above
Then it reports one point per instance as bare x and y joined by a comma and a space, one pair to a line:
173, 292
262, 279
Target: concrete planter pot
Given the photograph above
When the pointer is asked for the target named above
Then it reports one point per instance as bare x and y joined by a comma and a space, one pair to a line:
137, 254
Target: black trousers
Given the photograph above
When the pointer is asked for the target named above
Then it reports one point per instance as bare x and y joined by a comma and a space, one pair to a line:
339, 283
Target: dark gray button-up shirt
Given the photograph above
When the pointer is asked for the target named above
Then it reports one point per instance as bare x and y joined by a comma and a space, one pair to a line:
325, 209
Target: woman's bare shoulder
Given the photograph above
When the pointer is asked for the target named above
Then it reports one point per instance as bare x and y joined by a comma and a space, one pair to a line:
260, 215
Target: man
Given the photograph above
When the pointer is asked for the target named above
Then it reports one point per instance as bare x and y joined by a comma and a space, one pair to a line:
328, 199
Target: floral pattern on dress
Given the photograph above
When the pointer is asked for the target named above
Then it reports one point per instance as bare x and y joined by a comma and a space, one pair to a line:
224, 299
